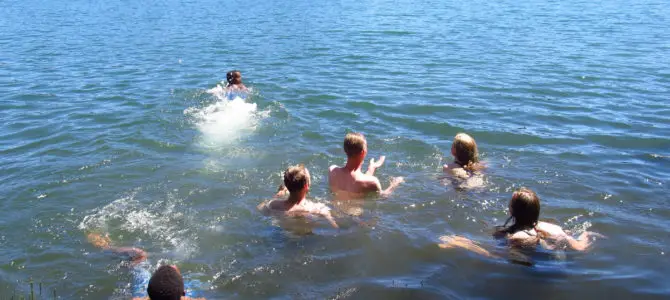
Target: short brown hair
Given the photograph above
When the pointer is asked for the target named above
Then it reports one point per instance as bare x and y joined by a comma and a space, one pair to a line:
354, 143
295, 178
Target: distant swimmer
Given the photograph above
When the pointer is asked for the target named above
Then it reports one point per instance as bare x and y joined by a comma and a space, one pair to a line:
296, 184
466, 167
235, 87
166, 283
526, 231
349, 181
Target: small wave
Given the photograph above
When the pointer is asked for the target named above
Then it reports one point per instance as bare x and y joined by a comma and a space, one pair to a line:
225, 121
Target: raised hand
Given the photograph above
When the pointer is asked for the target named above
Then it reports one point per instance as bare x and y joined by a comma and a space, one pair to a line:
375, 164
395, 181
378, 163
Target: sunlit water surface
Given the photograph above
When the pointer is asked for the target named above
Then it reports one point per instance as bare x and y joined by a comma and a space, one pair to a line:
113, 120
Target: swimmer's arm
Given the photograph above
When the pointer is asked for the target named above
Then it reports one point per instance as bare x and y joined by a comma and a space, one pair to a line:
395, 182
375, 165
136, 255
329, 217
455, 241
583, 242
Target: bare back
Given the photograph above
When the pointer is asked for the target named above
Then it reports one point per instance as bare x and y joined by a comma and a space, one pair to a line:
355, 183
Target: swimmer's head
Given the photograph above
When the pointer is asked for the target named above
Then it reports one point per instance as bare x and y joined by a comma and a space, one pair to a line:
355, 144
524, 207
166, 284
464, 150
234, 77
296, 178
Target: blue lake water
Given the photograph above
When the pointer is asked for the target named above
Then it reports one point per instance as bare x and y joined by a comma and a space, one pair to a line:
111, 121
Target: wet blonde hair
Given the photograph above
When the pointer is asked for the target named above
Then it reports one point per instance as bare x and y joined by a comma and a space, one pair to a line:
354, 144
295, 178
466, 154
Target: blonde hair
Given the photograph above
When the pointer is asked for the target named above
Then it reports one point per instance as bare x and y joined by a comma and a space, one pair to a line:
354, 143
295, 178
466, 154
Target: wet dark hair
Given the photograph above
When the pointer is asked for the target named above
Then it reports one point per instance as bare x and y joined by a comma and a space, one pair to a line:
231, 75
166, 284
525, 211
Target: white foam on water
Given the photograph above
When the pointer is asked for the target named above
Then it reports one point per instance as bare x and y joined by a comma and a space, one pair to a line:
162, 223
225, 121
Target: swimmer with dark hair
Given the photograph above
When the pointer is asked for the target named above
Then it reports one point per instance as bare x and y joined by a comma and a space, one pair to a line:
234, 80
166, 283
526, 231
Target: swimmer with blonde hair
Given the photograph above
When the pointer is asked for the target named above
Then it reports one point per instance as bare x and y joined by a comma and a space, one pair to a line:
466, 156
296, 184
350, 180
464, 170
526, 230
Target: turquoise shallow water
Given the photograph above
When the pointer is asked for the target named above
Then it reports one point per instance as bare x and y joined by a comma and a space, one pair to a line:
111, 121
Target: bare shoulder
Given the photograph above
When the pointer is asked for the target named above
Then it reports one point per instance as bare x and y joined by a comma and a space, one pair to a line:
551, 229
370, 183
333, 168
268, 207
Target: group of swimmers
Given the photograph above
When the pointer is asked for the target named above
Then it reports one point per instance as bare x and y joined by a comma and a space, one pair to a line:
349, 182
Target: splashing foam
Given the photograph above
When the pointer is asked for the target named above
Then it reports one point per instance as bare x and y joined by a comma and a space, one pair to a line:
225, 121
162, 223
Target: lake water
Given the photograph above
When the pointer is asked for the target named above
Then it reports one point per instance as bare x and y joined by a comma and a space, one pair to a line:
111, 121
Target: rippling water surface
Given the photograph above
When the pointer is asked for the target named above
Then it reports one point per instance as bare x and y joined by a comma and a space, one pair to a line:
112, 121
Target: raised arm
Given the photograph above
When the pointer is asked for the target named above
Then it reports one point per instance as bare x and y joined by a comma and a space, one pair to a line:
375, 165
395, 182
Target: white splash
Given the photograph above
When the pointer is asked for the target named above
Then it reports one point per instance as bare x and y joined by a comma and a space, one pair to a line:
225, 121
162, 223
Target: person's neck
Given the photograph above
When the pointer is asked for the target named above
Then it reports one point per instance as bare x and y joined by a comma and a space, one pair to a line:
295, 198
354, 164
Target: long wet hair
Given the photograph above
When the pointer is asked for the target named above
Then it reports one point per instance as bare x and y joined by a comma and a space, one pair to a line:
466, 154
525, 212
